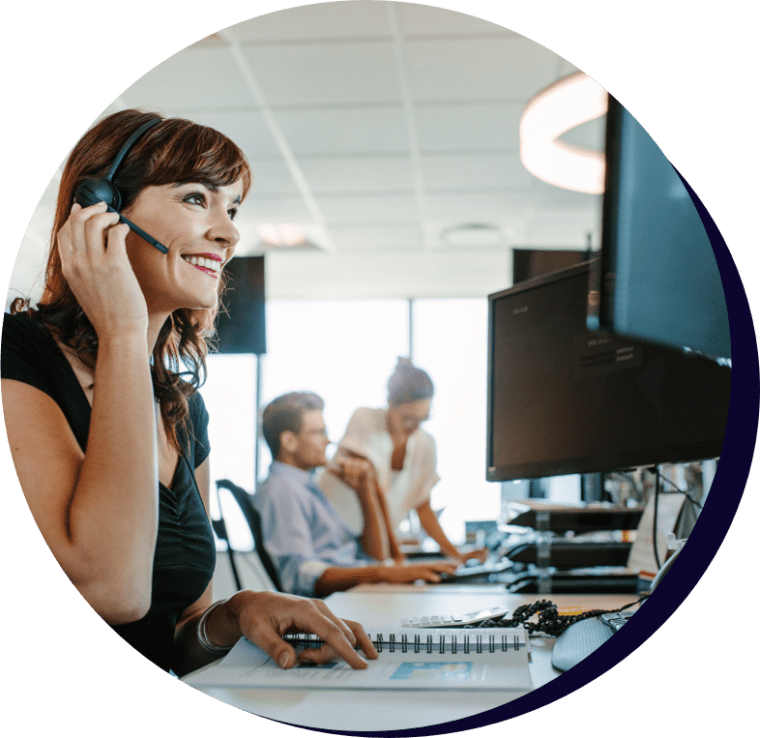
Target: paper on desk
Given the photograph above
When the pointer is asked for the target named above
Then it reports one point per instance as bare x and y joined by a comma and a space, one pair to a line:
247, 665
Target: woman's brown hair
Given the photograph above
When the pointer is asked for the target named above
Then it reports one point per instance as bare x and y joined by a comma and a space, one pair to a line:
175, 151
408, 383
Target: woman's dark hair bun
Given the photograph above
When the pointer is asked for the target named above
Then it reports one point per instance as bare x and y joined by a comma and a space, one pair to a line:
408, 383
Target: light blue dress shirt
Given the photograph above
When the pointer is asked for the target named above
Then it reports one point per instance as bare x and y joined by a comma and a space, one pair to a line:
303, 533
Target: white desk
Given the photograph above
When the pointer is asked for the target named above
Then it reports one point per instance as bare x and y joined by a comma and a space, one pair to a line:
388, 710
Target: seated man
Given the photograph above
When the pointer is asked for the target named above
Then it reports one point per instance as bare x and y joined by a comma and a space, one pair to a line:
313, 550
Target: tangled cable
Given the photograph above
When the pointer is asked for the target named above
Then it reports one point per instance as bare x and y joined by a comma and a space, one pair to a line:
549, 622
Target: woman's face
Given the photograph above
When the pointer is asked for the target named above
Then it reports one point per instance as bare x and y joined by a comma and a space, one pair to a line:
406, 418
195, 222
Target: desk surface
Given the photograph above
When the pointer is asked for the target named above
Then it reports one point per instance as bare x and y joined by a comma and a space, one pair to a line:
388, 710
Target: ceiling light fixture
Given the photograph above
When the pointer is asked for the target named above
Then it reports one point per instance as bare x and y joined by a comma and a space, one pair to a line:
285, 235
555, 110
474, 235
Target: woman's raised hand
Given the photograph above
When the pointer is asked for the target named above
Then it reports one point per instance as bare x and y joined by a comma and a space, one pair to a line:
94, 261
264, 617
358, 473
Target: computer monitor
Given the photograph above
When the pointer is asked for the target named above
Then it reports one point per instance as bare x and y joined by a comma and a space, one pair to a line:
563, 399
658, 278
241, 323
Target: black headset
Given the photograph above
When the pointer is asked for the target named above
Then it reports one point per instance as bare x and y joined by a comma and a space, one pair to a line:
102, 189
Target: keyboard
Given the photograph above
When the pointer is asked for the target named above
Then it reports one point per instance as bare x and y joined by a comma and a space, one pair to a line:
418, 556
456, 620
468, 572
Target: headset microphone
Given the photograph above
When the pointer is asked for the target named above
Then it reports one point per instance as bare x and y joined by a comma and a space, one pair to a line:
102, 189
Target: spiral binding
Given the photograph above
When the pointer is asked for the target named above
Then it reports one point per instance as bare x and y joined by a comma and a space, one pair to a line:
427, 641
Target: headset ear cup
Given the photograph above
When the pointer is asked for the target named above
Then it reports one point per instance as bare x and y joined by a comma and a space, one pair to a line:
98, 189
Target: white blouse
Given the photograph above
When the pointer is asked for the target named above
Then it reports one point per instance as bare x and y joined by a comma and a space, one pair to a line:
405, 489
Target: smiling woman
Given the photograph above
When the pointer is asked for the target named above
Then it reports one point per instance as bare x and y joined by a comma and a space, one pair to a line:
108, 437
195, 223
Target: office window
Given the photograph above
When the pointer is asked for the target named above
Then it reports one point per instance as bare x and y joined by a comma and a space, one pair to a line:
342, 350
345, 351
450, 342
230, 397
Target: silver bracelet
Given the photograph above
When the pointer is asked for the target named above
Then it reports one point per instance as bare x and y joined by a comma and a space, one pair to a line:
202, 631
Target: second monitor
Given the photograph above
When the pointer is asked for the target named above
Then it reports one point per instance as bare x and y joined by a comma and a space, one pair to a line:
566, 400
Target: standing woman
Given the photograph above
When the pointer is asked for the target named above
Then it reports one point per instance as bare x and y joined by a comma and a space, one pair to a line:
107, 430
402, 455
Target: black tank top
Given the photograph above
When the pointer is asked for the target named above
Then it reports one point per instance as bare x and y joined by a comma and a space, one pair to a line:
185, 552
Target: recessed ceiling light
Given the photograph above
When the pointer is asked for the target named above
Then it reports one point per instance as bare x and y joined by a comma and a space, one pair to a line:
284, 236
474, 235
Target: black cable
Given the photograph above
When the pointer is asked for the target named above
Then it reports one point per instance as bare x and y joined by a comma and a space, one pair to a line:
655, 470
549, 621
678, 489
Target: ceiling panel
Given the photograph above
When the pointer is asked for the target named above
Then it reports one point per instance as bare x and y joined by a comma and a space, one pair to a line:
422, 20
247, 128
477, 69
380, 239
358, 174
487, 207
565, 68
337, 20
468, 127
546, 195
479, 171
589, 135
341, 131
196, 75
275, 209
326, 73
272, 177
368, 209
562, 230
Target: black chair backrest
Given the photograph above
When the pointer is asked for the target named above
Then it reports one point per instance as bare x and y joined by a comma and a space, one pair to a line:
253, 519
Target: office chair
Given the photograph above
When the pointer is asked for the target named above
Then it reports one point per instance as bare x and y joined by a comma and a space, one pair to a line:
252, 517
220, 531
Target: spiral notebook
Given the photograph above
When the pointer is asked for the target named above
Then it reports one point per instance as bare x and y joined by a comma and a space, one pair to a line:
411, 658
